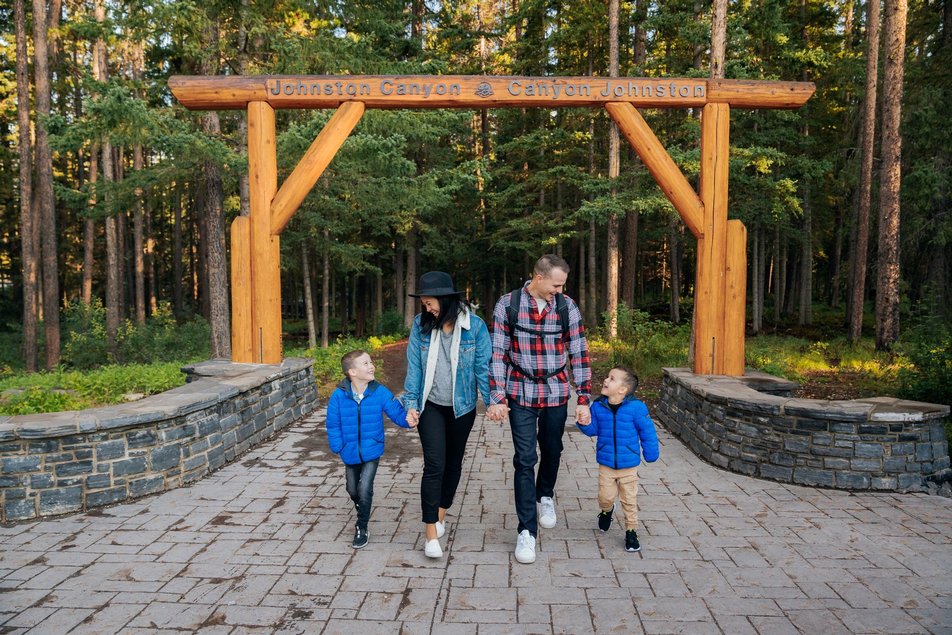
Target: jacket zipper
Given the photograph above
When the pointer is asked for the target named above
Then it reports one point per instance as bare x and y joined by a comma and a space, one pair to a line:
359, 453
615, 436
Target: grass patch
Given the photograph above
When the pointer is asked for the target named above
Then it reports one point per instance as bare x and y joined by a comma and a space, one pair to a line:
62, 390
327, 372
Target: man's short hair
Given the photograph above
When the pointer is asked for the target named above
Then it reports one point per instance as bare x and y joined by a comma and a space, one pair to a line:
349, 359
548, 262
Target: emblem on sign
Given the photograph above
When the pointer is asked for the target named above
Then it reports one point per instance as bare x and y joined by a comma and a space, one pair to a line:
484, 90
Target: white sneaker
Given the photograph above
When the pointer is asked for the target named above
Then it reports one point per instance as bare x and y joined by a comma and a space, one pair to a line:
432, 549
525, 547
547, 518
440, 528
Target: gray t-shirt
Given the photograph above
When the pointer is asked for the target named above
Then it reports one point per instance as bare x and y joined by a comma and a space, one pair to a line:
441, 392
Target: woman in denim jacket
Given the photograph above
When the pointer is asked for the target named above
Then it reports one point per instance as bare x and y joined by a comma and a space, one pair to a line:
447, 360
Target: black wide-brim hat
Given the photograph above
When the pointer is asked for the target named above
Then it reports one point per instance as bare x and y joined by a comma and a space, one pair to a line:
434, 283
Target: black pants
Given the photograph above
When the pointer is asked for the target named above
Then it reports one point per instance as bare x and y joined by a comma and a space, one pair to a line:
530, 427
360, 486
443, 437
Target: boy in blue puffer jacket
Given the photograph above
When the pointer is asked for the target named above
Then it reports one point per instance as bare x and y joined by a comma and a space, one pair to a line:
625, 434
355, 431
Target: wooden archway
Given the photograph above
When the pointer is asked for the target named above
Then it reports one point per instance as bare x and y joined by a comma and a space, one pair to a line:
720, 288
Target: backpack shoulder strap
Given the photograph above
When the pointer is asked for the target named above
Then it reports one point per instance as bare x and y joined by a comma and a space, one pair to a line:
512, 311
562, 308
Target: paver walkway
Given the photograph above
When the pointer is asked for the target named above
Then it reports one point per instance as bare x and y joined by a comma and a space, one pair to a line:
262, 546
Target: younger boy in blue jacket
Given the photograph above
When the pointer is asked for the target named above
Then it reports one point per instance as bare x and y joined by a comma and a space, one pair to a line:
625, 434
355, 431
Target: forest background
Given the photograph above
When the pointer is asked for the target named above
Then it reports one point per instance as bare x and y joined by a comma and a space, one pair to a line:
115, 200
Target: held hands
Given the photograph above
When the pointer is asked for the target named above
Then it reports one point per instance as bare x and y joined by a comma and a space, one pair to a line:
497, 412
583, 415
413, 417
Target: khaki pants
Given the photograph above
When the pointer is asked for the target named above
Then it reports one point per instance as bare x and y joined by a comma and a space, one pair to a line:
623, 483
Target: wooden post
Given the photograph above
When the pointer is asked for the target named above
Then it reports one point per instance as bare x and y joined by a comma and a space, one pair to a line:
313, 164
712, 247
242, 343
735, 316
265, 248
659, 163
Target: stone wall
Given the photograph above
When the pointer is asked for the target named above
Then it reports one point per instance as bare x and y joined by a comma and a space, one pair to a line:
753, 426
64, 462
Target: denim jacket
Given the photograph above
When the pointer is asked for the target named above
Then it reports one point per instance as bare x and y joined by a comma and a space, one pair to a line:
470, 351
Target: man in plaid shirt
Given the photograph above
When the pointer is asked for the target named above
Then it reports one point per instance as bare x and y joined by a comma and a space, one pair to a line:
528, 378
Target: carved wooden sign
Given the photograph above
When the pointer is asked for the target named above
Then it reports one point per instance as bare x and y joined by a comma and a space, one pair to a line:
476, 91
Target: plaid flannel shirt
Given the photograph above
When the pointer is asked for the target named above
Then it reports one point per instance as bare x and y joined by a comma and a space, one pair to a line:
538, 354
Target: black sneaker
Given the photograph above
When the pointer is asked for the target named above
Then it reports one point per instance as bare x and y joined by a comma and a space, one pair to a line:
605, 519
631, 541
360, 538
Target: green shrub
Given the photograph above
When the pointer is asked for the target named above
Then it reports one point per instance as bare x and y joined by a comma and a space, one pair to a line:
643, 344
930, 376
391, 323
75, 390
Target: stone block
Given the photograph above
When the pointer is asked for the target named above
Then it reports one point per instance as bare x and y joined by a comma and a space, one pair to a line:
852, 480
15, 492
903, 448
20, 464
61, 500
41, 481
195, 462
924, 451
105, 497
813, 425
909, 481
208, 426
216, 458
783, 458
43, 447
166, 458
836, 464
867, 465
98, 481
179, 432
807, 476
797, 446
822, 438
873, 429
883, 483
108, 450
894, 464
837, 452
776, 472
136, 465
148, 485
19, 509
868, 450
198, 447
16, 480
140, 438
74, 468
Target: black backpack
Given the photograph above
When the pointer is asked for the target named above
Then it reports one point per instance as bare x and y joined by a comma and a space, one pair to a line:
512, 324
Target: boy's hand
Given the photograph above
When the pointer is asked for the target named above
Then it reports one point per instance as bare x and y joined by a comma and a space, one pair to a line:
583, 415
413, 417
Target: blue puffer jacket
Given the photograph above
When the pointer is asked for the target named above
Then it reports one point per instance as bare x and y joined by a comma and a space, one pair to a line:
355, 430
623, 436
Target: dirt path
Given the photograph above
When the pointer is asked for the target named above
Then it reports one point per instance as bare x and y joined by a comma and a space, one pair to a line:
393, 360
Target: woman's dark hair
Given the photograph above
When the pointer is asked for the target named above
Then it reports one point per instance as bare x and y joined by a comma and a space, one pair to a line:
450, 307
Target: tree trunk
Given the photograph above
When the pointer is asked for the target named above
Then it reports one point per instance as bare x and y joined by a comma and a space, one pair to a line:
410, 308
178, 289
138, 239
325, 290
718, 38
43, 192
398, 279
805, 314
674, 302
308, 301
28, 226
779, 276
887, 272
867, 143
89, 228
613, 172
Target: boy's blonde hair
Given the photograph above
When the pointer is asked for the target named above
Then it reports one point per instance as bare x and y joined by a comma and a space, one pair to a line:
349, 359
631, 379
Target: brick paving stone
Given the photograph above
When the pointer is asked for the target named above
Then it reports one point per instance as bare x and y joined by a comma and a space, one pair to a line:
263, 546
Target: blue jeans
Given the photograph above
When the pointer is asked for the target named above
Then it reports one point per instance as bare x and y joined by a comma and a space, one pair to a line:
360, 486
532, 426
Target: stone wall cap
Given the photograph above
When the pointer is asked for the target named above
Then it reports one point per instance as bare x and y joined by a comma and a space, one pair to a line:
893, 409
834, 410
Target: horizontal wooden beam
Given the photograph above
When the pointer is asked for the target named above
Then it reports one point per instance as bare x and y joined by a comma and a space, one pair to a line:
660, 164
296, 187
229, 92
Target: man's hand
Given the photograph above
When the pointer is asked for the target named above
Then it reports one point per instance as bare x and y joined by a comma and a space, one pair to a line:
497, 412
583, 415
413, 417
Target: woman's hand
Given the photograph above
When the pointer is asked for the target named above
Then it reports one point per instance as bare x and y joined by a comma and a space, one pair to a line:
413, 417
